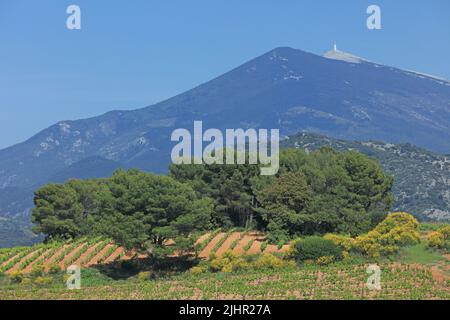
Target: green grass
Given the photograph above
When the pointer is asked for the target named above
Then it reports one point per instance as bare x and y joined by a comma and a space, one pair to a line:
431, 226
420, 254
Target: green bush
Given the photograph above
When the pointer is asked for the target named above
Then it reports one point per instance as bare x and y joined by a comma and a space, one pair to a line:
54, 269
233, 263
37, 270
313, 248
16, 276
42, 281
440, 238
144, 275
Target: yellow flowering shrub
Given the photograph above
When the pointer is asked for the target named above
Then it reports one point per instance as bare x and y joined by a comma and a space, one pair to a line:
397, 230
290, 253
269, 261
199, 269
42, 281
228, 263
439, 238
325, 260
232, 263
345, 242
435, 240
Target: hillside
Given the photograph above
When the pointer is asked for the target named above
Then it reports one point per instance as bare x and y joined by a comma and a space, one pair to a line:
284, 88
88, 253
422, 178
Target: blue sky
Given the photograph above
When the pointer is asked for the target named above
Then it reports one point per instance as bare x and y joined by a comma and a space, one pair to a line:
130, 54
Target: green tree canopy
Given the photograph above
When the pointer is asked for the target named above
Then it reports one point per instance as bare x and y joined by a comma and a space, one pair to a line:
347, 192
138, 210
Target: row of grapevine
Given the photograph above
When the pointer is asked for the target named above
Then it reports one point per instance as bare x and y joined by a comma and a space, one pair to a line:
88, 252
217, 243
82, 252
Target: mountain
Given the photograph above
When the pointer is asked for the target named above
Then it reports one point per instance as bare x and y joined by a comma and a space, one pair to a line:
338, 95
92, 167
421, 177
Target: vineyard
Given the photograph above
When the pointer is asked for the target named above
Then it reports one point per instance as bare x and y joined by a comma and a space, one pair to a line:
38, 272
90, 252
333, 282
83, 252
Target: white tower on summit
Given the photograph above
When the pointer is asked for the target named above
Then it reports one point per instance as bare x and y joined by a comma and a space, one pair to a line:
336, 54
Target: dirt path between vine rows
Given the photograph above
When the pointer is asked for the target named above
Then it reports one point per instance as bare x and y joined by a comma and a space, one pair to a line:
21, 261
227, 243
36, 261
202, 238
255, 248
239, 249
207, 251
80, 262
62, 263
99, 255
114, 255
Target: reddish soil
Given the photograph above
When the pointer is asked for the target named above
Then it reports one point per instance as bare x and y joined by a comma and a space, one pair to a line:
206, 252
47, 263
48, 259
99, 255
440, 271
67, 258
202, 238
227, 244
38, 260
255, 248
81, 260
239, 249
271, 248
114, 255
9, 260
17, 265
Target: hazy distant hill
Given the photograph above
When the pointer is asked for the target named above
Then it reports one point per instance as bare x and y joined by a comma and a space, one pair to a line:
422, 178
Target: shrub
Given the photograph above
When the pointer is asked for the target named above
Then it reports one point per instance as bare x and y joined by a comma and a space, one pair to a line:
199, 269
439, 239
269, 261
291, 252
435, 240
397, 230
345, 242
54, 269
325, 260
144, 275
37, 270
232, 263
228, 263
16, 276
313, 248
42, 281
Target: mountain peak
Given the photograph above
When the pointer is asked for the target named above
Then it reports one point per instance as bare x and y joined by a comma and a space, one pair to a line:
336, 54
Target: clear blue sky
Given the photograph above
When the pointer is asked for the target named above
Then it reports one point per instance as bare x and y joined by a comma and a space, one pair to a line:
130, 54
